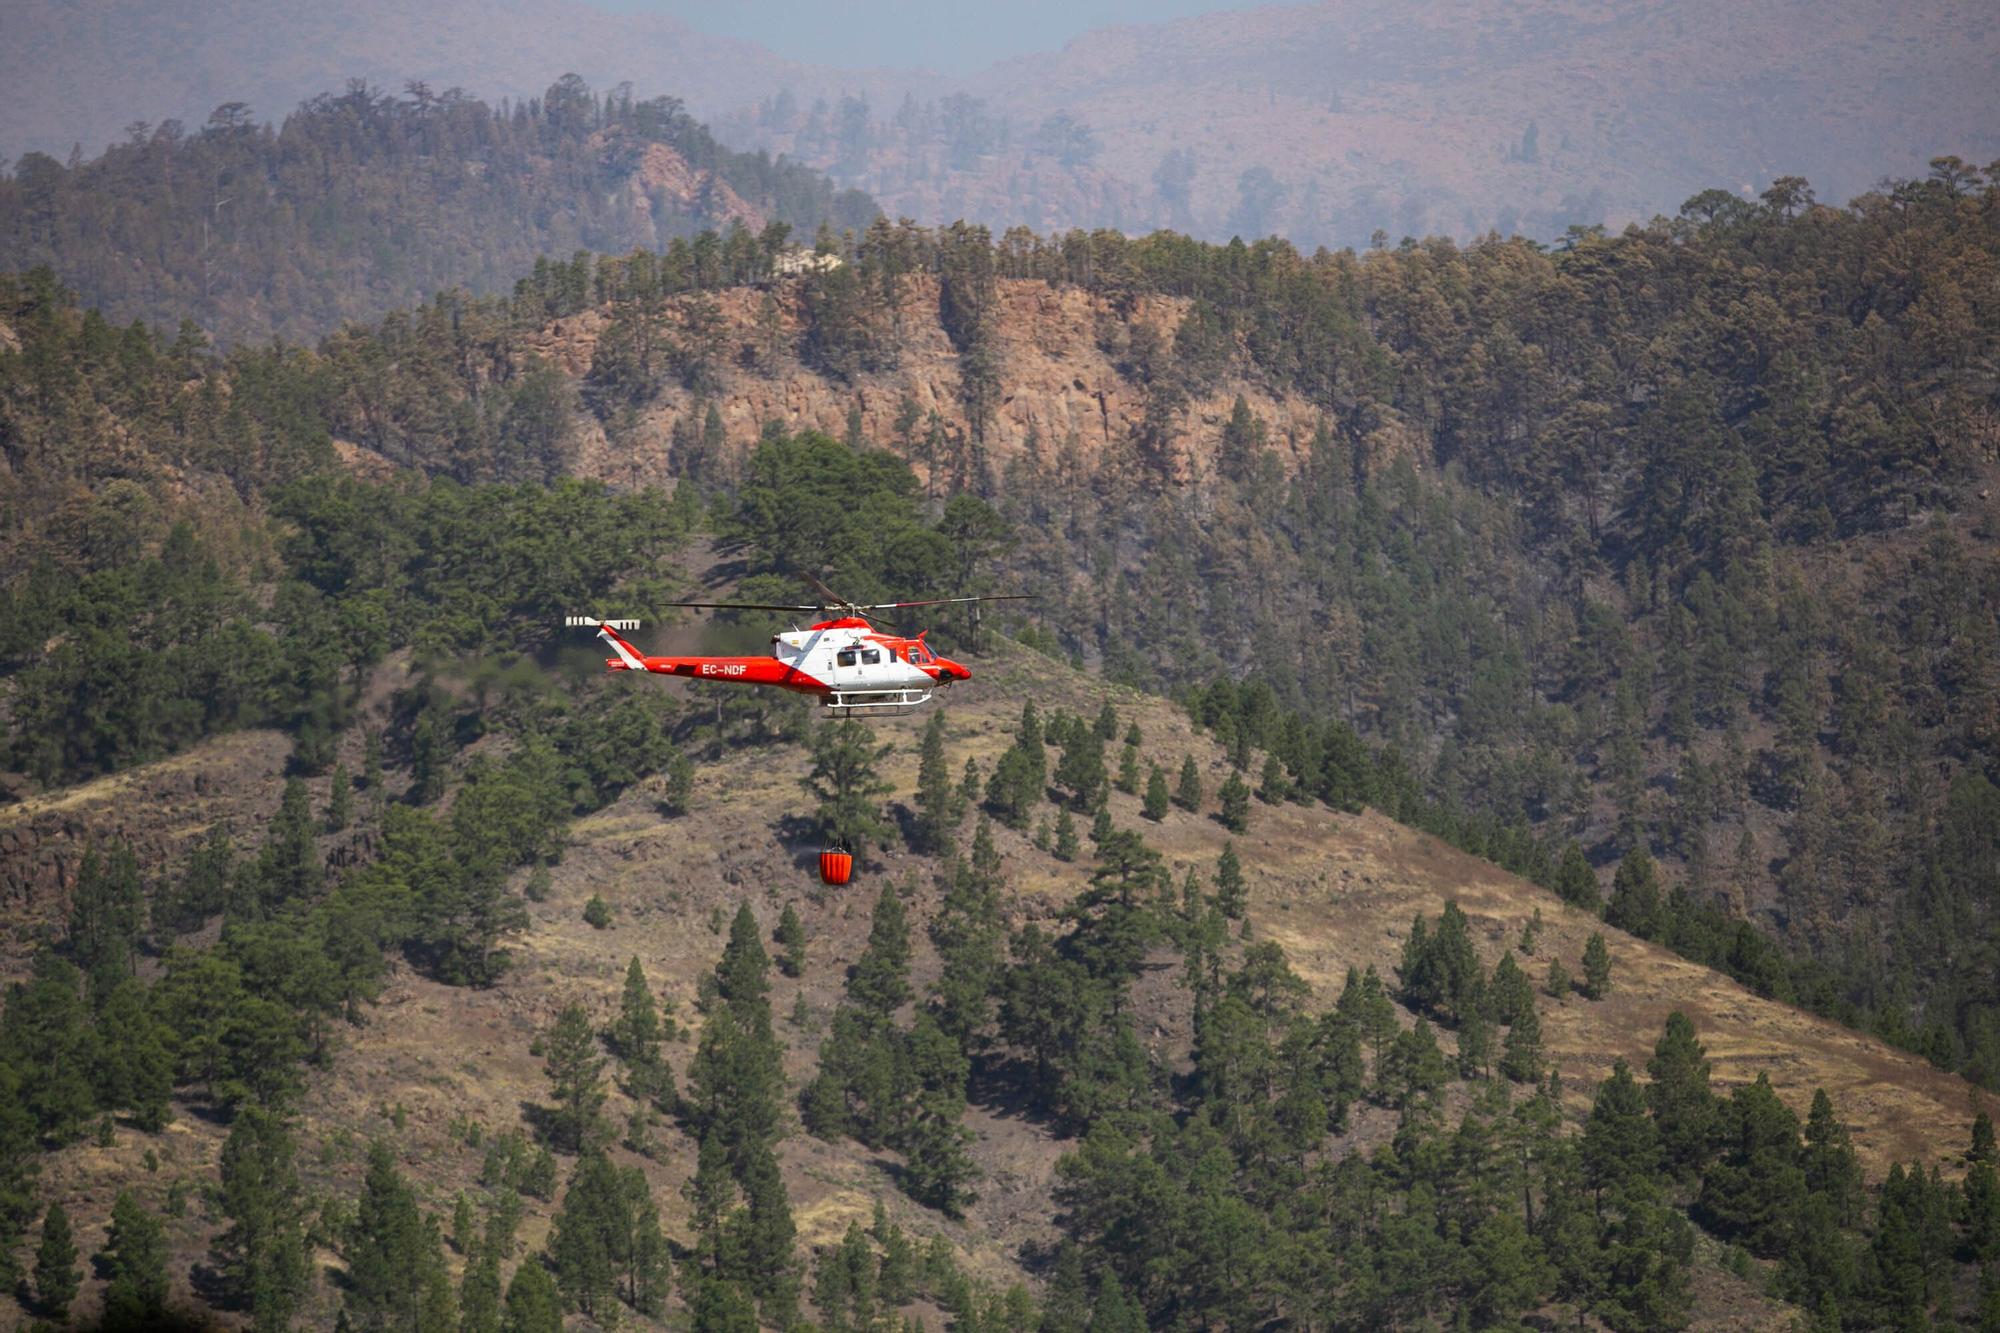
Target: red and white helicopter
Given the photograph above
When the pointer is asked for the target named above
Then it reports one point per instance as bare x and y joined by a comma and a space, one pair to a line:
848, 663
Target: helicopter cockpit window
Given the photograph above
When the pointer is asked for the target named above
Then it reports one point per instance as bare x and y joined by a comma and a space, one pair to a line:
870, 657
845, 657
918, 655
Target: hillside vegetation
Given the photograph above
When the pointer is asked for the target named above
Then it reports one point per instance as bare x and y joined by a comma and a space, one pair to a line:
1675, 542
1606, 556
1081, 1021
362, 202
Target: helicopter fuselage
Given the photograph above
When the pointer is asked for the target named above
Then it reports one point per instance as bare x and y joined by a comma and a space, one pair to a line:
847, 662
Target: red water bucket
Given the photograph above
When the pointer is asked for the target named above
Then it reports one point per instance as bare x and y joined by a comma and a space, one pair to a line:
836, 867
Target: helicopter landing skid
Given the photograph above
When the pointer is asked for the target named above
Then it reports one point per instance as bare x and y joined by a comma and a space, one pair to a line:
848, 703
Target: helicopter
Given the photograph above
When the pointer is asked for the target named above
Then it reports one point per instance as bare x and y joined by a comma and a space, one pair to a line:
849, 664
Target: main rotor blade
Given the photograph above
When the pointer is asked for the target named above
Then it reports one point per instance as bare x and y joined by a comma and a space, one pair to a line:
943, 601
746, 606
834, 601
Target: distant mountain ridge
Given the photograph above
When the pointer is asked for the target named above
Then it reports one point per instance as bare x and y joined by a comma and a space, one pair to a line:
364, 202
1324, 122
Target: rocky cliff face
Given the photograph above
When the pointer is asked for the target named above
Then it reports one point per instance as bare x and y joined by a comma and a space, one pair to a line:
160, 810
663, 181
1060, 386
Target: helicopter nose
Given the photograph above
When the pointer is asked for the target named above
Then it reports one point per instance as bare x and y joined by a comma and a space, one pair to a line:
951, 670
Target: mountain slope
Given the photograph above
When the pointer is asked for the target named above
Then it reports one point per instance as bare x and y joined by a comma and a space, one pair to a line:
365, 202
182, 58
1335, 890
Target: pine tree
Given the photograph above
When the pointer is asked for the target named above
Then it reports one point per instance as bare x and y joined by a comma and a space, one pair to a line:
1155, 806
1509, 992
592, 1240
371, 766
1683, 1107
736, 1080
1982, 1207
107, 912
479, 1309
968, 934
1106, 727
1067, 846
710, 1193
1080, 771
263, 1251
1273, 787
53, 1049
637, 1035
1620, 1143
134, 1260
1230, 895
1636, 905
1475, 1046
430, 756
743, 975
636, 1032
1521, 1052
1596, 967
575, 1072
1128, 769
136, 1069
1113, 1311
1021, 774
1188, 793
1412, 1068
395, 1255
879, 983
1440, 971
897, 1277
1235, 798
464, 1227
764, 1234
940, 1168
1559, 982
677, 786
1754, 1191
534, 1304
938, 803
791, 938
1831, 1169
847, 786
1375, 1012
288, 869
1819, 1269
57, 1277
1576, 882
1066, 1306
339, 800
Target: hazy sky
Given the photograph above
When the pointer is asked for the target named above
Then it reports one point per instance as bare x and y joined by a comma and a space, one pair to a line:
950, 36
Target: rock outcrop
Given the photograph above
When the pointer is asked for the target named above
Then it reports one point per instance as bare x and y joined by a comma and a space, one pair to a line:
159, 809
1059, 385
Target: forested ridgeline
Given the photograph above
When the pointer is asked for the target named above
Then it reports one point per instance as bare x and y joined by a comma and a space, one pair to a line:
363, 202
